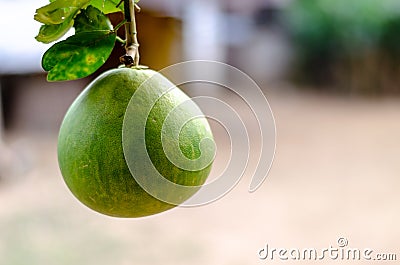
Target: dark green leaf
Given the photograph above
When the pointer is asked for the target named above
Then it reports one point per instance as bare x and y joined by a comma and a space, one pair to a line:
91, 19
50, 33
78, 56
108, 6
59, 11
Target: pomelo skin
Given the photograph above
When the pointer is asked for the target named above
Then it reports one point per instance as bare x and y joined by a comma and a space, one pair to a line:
90, 150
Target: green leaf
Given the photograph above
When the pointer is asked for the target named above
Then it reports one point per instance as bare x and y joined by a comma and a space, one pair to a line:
58, 18
85, 52
59, 11
91, 19
78, 56
108, 6
50, 33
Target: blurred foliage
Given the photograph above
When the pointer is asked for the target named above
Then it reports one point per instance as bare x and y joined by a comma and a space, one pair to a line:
352, 45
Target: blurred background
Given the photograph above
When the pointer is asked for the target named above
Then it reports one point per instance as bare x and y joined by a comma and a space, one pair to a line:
331, 73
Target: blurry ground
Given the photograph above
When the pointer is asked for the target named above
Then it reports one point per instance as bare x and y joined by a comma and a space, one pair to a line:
335, 175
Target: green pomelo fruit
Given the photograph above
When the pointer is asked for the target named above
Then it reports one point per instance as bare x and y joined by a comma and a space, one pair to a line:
90, 149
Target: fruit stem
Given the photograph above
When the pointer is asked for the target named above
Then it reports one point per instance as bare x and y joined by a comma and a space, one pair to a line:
131, 58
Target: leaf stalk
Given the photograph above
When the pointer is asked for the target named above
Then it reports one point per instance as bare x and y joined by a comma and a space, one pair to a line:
131, 58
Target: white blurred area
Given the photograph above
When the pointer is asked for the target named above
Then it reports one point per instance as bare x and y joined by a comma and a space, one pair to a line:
19, 51
228, 31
